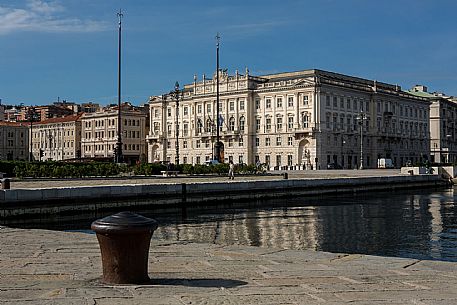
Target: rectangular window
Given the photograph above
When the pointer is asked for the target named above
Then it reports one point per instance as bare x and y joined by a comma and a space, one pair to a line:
241, 142
257, 142
290, 141
208, 108
197, 143
257, 104
268, 103
267, 160
230, 143
199, 108
327, 101
290, 101
268, 124
290, 122
257, 124
267, 142
335, 102
232, 106
186, 110
184, 144
289, 160
240, 159
278, 141
279, 102
278, 160
305, 100
169, 112
241, 105
278, 123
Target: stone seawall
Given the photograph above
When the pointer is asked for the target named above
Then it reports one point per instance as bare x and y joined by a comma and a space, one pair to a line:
22, 202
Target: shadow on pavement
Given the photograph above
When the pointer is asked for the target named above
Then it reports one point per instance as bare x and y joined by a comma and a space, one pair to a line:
209, 283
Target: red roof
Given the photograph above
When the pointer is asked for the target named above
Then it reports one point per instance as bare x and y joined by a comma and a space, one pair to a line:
68, 118
15, 124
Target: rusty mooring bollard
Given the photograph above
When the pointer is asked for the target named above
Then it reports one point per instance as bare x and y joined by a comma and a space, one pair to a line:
124, 240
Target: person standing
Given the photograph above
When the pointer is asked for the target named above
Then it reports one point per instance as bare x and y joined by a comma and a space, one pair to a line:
231, 172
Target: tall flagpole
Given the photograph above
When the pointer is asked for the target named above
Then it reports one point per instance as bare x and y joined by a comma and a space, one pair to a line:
217, 86
118, 152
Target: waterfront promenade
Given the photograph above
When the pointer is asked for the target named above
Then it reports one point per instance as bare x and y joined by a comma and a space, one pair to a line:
44, 267
317, 174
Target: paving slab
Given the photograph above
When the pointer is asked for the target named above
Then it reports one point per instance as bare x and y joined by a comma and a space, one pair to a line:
51, 267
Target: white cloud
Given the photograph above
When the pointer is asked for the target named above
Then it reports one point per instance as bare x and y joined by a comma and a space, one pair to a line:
44, 16
44, 7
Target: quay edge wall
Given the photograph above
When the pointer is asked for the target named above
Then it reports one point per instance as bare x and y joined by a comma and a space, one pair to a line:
23, 202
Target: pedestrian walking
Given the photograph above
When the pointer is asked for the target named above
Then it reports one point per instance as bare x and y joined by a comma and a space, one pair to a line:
231, 172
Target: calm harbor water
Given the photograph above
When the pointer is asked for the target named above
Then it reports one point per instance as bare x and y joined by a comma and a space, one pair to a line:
414, 224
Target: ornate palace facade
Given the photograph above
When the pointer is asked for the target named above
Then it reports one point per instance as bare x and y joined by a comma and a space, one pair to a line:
304, 119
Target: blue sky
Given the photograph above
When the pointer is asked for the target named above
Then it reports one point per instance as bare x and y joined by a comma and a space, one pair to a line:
68, 48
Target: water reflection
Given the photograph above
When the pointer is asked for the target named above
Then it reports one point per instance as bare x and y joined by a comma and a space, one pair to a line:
419, 225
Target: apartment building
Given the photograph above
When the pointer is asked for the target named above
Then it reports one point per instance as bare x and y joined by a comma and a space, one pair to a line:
305, 119
56, 139
443, 127
99, 133
14, 141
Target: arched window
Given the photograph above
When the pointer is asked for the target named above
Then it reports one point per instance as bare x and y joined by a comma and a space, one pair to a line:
156, 127
208, 125
305, 119
199, 126
242, 123
232, 124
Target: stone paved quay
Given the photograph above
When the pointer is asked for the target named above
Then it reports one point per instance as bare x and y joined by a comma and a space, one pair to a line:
44, 267
317, 174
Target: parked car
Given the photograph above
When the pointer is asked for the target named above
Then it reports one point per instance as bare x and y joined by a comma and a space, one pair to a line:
334, 166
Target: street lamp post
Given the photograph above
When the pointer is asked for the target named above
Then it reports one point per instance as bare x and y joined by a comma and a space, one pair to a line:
176, 93
448, 140
361, 118
118, 157
31, 117
342, 150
